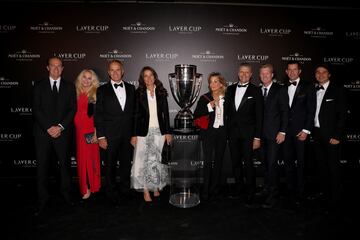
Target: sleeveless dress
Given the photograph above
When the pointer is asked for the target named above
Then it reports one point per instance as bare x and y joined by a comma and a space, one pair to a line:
87, 155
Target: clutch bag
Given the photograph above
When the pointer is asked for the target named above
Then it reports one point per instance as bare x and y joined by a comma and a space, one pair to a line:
88, 137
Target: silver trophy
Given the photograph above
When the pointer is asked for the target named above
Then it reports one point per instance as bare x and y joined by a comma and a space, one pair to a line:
185, 86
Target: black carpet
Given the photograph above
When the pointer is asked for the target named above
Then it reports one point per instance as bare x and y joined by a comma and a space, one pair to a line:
225, 218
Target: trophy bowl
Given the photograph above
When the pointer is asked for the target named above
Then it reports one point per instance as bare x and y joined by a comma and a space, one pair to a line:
185, 86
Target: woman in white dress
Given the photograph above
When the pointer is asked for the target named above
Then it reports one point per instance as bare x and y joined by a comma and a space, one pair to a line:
151, 131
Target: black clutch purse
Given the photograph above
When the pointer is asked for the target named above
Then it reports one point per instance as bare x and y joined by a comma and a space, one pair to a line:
88, 137
166, 153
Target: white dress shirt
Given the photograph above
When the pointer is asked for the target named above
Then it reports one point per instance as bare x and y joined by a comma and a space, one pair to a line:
219, 112
153, 120
268, 88
319, 98
239, 94
57, 82
291, 90
57, 86
120, 93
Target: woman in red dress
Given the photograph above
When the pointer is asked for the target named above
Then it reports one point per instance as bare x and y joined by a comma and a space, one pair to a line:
87, 149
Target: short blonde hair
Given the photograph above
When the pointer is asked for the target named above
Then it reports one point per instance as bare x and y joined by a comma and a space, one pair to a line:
91, 94
267, 65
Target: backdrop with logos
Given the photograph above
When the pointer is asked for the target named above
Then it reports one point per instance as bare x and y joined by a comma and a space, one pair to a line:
212, 37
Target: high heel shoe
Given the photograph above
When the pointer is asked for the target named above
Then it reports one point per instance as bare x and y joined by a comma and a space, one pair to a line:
147, 197
86, 195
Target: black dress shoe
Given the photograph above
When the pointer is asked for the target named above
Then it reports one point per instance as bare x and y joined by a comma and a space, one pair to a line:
38, 212
316, 196
115, 201
263, 193
40, 209
234, 195
69, 201
249, 202
269, 202
205, 197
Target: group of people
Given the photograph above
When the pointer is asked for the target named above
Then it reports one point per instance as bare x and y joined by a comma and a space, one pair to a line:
130, 128
113, 118
272, 118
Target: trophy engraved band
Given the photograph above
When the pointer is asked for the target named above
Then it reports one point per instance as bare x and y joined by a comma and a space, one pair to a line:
185, 86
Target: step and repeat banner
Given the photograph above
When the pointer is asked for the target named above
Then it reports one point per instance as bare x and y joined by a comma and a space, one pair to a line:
212, 37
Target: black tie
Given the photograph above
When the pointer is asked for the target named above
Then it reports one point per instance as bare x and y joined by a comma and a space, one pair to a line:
293, 83
265, 93
54, 88
117, 85
55, 96
318, 87
245, 85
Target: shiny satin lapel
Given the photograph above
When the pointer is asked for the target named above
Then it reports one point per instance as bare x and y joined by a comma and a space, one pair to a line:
113, 95
243, 100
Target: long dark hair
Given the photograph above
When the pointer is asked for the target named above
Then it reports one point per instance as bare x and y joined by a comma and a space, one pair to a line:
159, 86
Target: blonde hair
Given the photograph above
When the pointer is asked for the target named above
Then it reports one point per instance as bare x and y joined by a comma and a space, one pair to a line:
91, 94
221, 80
267, 65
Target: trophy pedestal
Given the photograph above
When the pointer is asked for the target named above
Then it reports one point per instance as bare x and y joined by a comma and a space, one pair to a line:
185, 171
184, 125
184, 122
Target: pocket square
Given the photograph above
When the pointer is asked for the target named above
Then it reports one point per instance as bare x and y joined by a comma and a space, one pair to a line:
249, 97
329, 100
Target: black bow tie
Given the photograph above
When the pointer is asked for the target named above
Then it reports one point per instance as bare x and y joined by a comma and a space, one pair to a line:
245, 85
117, 85
293, 83
318, 87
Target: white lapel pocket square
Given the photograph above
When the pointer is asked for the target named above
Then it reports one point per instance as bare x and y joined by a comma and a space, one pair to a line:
249, 97
329, 100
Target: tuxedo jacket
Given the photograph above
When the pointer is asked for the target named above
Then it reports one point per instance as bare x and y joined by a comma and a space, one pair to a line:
246, 121
46, 113
111, 120
303, 107
276, 110
332, 114
142, 115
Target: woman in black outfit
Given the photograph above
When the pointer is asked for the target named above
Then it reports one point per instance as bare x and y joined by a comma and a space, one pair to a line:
213, 138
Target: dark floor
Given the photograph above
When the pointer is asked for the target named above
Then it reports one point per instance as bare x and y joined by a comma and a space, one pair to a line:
224, 219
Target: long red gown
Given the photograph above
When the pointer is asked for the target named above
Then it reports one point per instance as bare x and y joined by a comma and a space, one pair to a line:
87, 155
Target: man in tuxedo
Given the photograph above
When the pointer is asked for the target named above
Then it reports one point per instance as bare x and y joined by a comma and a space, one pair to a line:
302, 102
54, 107
275, 119
245, 112
328, 133
114, 125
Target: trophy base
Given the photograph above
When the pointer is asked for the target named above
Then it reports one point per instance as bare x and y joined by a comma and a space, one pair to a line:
184, 131
184, 125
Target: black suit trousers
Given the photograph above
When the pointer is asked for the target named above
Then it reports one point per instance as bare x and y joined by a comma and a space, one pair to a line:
294, 163
242, 164
44, 145
119, 151
214, 143
328, 161
269, 155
